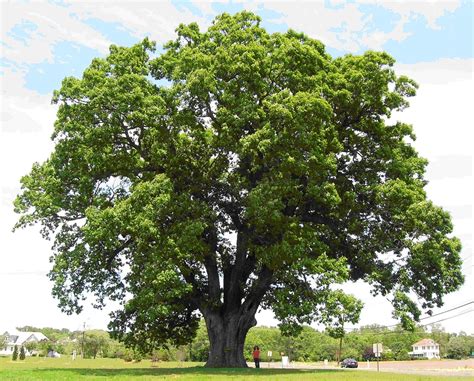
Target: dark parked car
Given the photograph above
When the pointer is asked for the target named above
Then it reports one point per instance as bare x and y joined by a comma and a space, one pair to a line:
349, 363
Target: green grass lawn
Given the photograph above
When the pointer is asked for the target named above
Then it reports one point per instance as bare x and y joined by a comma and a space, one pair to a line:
114, 369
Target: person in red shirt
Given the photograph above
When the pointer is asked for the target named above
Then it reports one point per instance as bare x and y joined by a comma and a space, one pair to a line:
256, 356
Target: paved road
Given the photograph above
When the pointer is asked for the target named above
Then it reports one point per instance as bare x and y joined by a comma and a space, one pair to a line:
428, 367
458, 368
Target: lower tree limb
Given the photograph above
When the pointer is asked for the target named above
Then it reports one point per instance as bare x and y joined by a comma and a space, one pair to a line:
227, 329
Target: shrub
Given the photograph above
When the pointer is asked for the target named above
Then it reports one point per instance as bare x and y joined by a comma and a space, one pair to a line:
137, 357
15, 353
22, 353
127, 355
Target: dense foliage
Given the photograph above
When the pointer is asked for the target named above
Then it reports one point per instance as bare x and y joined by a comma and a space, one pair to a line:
314, 345
237, 170
309, 345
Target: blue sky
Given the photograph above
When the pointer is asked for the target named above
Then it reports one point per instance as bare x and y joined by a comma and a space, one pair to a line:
453, 38
422, 37
42, 42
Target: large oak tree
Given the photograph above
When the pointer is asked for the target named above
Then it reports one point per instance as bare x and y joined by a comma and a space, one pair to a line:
237, 170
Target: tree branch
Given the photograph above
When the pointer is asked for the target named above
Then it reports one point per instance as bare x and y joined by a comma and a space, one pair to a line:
259, 289
210, 264
233, 278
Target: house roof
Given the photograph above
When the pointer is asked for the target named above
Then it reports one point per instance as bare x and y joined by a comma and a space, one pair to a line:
19, 338
426, 342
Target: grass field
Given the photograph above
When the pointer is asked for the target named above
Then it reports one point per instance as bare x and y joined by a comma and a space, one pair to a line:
114, 369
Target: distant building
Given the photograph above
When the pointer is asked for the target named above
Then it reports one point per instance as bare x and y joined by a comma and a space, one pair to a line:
425, 348
20, 339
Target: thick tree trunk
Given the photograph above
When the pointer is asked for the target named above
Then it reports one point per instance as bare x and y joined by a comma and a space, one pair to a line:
227, 337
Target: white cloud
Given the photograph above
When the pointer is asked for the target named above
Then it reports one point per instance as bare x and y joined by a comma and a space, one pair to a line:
450, 166
158, 20
440, 72
23, 110
441, 112
430, 10
346, 27
335, 27
343, 28
54, 24
205, 7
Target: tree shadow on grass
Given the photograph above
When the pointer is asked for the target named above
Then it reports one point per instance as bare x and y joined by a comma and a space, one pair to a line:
140, 372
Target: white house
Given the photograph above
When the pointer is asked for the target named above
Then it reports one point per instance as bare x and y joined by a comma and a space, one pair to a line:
425, 348
19, 338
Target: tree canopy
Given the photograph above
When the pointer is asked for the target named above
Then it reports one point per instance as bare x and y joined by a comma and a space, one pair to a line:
237, 170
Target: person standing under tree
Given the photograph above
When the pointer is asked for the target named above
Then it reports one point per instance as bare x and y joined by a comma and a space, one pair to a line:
256, 356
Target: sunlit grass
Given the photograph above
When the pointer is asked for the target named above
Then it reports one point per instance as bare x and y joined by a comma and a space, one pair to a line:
115, 369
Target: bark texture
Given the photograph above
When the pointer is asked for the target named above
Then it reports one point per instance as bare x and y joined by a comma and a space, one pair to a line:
227, 337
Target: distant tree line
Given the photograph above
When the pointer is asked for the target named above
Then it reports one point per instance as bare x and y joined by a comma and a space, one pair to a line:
310, 345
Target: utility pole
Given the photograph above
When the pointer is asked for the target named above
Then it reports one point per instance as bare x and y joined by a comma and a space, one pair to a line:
83, 336
340, 351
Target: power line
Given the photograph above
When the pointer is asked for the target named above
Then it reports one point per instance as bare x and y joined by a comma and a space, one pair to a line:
443, 312
419, 326
448, 318
423, 318
438, 313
